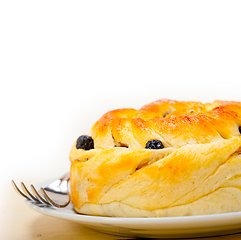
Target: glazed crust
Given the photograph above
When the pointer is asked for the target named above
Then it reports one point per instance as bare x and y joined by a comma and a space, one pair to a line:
197, 171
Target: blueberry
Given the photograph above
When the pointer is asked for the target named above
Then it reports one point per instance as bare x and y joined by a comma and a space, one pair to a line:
154, 144
239, 129
85, 142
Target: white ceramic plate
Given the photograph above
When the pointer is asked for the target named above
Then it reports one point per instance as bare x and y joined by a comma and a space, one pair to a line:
169, 227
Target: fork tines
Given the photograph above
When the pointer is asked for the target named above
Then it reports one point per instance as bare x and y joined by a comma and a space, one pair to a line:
34, 195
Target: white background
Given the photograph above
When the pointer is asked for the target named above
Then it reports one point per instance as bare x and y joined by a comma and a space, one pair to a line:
65, 63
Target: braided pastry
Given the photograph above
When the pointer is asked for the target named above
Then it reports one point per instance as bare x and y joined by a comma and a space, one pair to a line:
169, 158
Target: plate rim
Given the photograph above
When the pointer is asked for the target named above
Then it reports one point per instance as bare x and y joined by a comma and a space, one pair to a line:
191, 223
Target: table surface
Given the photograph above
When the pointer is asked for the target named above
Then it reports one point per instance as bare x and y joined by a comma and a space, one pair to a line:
18, 221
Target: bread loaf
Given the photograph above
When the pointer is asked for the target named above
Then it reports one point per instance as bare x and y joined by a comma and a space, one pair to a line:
169, 158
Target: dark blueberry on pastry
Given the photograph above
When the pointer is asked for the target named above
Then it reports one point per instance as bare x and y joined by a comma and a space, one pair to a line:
85, 142
239, 129
154, 144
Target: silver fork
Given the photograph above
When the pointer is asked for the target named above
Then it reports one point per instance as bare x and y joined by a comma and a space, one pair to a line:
59, 186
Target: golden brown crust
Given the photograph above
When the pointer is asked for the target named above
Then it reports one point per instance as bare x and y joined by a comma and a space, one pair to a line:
197, 165
189, 122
